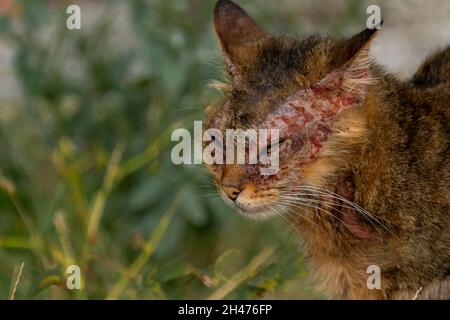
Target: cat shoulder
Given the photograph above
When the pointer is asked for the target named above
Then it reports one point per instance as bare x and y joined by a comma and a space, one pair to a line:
434, 71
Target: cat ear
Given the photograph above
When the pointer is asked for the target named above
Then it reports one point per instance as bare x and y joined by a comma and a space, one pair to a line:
357, 74
354, 75
346, 50
236, 30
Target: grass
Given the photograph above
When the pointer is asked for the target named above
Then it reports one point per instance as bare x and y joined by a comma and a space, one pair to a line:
85, 170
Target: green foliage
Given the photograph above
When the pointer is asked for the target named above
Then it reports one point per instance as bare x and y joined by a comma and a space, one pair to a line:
85, 170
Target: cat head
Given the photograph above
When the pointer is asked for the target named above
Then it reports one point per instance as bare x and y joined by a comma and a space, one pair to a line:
305, 88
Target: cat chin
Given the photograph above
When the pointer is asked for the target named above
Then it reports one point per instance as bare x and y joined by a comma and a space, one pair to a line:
253, 213
256, 214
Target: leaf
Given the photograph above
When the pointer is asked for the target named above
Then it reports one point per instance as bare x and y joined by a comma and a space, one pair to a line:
267, 280
227, 264
53, 279
174, 271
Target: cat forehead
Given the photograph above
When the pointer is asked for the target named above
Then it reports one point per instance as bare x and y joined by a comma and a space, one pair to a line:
277, 68
274, 60
256, 109
274, 77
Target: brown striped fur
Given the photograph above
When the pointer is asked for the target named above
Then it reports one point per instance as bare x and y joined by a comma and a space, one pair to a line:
390, 155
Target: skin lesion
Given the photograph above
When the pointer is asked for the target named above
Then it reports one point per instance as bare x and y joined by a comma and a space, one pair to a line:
307, 117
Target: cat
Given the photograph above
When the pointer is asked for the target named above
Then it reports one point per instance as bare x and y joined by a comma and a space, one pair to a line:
364, 170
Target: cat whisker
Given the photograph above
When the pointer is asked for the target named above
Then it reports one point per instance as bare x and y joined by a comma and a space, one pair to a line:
203, 186
294, 196
329, 204
208, 195
274, 208
187, 108
321, 191
281, 213
354, 205
302, 203
324, 191
296, 213
369, 217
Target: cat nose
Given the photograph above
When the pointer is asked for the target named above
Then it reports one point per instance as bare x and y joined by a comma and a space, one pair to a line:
231, 192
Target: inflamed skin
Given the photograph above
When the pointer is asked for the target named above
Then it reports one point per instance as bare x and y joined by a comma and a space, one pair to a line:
364, 159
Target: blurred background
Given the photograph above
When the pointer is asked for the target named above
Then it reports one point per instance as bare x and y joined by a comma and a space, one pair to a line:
85, 170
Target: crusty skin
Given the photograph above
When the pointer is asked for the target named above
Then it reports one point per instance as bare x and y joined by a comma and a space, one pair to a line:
389, 154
